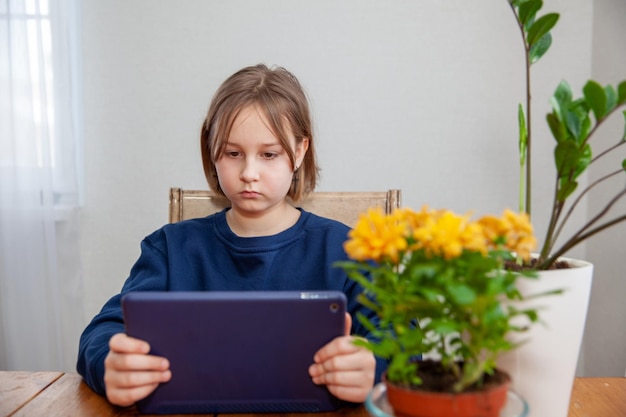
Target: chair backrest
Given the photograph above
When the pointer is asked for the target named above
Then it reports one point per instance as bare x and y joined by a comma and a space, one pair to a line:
342, 206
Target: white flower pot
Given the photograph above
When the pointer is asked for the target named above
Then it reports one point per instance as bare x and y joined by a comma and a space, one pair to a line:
543, 369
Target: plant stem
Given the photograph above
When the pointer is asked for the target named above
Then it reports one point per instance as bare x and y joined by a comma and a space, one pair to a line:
522, 189
575, 241
580, 236
606, 151
553, 231
555, 214
585, 191
528, 131
528, 185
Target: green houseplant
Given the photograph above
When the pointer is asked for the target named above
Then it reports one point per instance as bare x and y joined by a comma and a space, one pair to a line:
448, 271
575, 119
573, 122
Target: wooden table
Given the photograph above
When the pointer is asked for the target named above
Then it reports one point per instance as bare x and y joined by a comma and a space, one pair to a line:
27, 394
598, 397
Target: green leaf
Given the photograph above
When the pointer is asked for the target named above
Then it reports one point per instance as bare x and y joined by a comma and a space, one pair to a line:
461, 294
566, 156
365, 322
556, 127
443, 326
596, 99
584, 159
540, 48
523, 134
517, 4
621, 93
624, 164
561, 98
496, 285
494, 314
611, 98
429, 294
565, 190
528, 10
577, 120
585, 128
573, 122
624, 137
570, 162
532, 315
541, 27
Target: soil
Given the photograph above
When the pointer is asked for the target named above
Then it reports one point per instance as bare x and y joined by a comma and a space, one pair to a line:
436, 379
532, 263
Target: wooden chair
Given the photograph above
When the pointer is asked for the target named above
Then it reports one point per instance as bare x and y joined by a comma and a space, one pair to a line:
342, 206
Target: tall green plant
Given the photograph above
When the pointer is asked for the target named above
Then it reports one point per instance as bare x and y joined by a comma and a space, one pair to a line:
572, 126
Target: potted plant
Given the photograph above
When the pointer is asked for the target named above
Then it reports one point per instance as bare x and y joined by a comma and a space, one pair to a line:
446, 271
553, 349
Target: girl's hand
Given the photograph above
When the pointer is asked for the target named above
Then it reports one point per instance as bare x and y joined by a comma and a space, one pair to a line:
346, 369
130, 373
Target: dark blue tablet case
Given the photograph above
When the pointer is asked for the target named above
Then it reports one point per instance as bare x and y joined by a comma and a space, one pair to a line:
236, 352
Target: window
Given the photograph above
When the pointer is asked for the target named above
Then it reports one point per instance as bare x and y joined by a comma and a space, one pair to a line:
40, 279
38, 83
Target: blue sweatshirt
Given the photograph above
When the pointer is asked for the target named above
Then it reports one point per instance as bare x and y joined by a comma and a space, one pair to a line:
205, 255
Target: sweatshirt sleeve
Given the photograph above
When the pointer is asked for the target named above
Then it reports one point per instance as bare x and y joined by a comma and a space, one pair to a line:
148, 274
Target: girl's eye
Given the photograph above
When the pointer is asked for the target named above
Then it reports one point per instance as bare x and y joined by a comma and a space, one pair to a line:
232, 154
269, 155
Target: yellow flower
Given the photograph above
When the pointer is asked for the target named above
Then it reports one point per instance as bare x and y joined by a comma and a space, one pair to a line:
519, 237
514, 229
414, 219
447, 234
493, 228
381, 237
377, 237
474, 238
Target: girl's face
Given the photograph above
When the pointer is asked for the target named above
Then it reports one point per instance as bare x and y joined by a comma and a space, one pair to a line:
254, 171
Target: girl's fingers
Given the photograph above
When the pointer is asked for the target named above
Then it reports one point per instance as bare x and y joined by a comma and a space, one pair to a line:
125, 397
130, 372
351, 386
126, 362
345, 363
128, 380
349, 393
125, 388
129, 354
339, 346
125, 344
343, 378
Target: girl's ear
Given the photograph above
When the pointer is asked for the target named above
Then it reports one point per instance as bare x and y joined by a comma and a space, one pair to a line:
301, 149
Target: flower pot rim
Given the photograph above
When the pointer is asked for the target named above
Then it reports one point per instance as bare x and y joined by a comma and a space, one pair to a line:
577, 263
472, 392
574, 262
378, 405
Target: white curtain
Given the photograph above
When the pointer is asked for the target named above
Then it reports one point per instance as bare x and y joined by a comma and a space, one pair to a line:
41, 309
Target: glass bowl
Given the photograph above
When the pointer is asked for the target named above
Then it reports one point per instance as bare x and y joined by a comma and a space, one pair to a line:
378, 406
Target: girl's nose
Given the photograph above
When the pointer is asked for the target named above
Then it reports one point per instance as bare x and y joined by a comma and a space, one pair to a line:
249, 171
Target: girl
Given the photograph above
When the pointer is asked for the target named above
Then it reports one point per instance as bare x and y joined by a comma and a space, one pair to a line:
258, 151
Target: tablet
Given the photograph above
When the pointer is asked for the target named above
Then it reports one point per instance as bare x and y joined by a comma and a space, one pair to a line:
236, 352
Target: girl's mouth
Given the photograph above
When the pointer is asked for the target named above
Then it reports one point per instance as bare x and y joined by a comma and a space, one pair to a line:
249, 194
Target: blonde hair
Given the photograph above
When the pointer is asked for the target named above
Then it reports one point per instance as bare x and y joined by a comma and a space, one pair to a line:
279, 95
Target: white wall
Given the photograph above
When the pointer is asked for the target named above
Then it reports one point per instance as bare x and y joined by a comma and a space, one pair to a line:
417, 95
